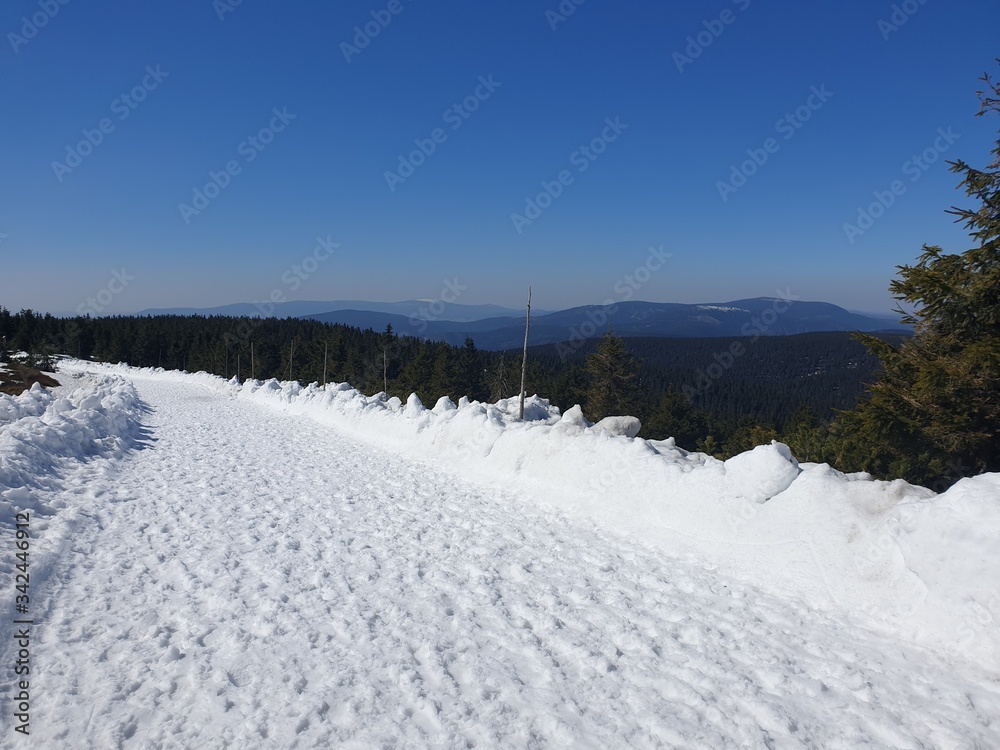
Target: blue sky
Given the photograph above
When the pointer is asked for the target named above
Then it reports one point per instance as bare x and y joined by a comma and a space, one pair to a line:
108, 223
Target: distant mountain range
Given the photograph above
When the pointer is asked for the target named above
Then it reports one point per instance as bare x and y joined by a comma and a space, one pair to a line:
494, 327
304, 309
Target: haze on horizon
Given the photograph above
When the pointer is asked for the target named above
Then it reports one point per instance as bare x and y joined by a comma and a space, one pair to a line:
205, 154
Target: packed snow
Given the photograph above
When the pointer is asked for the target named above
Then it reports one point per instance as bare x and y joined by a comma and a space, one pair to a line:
217, 564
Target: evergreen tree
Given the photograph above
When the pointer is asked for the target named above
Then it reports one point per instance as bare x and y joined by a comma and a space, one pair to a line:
7, 327
806, 436
388, 342
612, 371
415, 376
470, 367
674, 416
934, 414
445, 374
499, 380
709, 445
747, 436
567, 387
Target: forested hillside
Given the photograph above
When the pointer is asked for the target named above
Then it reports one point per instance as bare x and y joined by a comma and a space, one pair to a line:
769, 378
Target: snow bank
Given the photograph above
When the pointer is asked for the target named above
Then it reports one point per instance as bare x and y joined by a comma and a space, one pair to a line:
42, 431
894, 556
44, 436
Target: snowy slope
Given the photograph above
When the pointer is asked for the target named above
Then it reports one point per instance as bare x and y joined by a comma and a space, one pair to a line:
245, 576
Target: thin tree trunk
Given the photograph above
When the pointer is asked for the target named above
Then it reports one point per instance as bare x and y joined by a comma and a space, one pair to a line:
326, 347
524, 358
252, 374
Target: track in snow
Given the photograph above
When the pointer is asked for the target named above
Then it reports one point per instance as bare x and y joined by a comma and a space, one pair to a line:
252, 579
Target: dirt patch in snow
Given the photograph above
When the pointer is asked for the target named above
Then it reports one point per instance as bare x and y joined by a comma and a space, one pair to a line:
17, 378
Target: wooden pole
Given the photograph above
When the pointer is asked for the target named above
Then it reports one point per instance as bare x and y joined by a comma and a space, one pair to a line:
385, 376
291, 355
252, 375
524, 357
326, 348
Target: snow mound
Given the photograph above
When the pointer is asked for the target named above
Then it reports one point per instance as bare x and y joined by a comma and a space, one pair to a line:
619, 426
44, 437
761, 473
31, 403
40, 432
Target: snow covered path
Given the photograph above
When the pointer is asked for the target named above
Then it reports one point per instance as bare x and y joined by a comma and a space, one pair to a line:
253, 579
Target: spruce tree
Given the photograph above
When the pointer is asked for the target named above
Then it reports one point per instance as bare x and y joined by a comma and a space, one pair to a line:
934, 414
612, 370
675, 416
470, 368
499, 380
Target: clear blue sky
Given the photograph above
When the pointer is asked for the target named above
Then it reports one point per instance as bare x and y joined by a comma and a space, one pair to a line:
69, 229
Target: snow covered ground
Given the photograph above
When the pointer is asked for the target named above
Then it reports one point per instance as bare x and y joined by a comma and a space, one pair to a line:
267, 565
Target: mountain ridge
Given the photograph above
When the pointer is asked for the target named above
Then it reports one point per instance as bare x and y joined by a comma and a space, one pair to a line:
305, 308
753, 317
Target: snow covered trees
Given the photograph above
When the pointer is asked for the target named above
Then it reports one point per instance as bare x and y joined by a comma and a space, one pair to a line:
934, 414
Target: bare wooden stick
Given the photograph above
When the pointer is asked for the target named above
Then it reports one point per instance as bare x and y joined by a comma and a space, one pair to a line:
524, 358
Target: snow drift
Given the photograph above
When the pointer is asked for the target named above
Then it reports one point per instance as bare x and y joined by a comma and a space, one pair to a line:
44, 435
894, 556
40, 432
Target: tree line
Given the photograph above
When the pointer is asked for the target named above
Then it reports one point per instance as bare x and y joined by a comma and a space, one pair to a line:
605, 376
